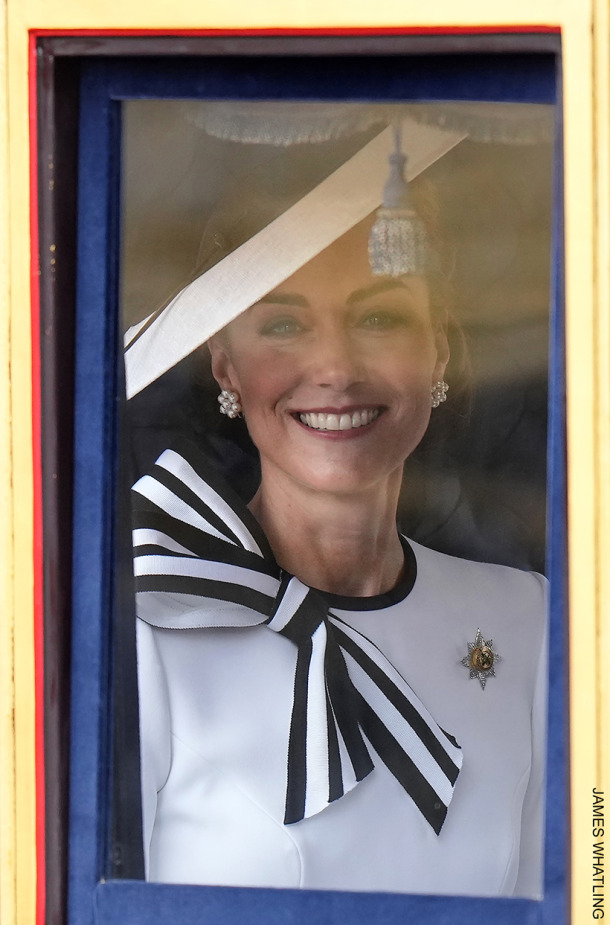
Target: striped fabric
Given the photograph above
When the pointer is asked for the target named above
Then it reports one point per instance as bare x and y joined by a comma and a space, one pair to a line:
193, 536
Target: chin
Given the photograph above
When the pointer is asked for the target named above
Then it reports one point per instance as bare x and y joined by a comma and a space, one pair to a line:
345, 480
340, 466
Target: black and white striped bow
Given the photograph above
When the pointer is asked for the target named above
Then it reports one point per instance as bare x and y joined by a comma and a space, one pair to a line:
194, 536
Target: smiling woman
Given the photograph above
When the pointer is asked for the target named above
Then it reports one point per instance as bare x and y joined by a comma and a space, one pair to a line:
341, 701
349, 363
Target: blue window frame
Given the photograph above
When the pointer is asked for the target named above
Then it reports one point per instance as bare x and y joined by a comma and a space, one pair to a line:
509, 76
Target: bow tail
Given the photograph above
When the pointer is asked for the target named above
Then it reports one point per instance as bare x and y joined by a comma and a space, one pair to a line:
296, 782
406, 772
346, 714
324, 724
347, 695
421, 756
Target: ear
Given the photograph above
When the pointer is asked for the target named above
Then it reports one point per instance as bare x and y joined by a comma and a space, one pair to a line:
442, 350
222, 368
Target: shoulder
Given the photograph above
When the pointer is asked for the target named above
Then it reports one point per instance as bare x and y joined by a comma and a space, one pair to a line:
460, 597
489, 582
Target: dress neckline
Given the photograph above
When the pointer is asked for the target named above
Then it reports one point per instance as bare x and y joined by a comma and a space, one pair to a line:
379, 601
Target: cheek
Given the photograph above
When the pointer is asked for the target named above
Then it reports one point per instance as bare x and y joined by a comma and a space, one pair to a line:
411, 366
263, 380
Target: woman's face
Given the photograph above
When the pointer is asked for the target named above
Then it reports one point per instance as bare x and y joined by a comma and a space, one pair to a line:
334, 370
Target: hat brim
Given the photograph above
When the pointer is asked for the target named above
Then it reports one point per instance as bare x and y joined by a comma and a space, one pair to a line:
306, 228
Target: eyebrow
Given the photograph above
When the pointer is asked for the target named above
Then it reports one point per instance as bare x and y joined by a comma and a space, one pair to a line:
284, 298
360, 295
383, 285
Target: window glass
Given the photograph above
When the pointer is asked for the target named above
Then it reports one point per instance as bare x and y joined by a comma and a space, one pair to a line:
352, 323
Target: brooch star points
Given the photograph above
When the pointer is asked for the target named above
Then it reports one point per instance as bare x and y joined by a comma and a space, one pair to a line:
481, 659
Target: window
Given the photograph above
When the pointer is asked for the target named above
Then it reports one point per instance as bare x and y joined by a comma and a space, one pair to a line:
115, 94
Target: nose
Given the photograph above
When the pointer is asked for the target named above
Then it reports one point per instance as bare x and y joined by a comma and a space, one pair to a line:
336, 363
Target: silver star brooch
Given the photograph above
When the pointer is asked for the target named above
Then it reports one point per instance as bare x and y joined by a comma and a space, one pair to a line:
481, 659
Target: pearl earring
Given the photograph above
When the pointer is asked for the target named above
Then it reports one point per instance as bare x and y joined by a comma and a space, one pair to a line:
229, 403
438, 393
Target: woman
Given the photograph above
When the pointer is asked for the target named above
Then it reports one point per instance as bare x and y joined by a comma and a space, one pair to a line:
334, 712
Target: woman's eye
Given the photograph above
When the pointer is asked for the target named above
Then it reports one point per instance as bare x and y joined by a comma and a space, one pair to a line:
382, 320
281, 327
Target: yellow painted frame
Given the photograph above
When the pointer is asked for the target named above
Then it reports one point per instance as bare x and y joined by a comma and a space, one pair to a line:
586, 61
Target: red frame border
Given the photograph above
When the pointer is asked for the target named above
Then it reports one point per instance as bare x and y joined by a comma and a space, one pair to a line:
271, 31
37, 490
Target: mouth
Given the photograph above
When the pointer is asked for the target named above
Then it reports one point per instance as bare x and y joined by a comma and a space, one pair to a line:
341, 421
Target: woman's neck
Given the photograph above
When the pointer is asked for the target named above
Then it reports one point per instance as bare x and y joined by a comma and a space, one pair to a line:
344, 544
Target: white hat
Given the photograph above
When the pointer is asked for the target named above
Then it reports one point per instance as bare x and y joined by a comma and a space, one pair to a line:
246, 274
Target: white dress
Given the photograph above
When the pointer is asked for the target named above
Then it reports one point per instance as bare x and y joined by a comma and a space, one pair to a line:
215, 714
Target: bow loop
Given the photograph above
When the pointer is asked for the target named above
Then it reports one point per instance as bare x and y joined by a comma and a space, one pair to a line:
298, 611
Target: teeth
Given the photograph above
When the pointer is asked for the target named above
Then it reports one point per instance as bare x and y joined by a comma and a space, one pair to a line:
321, 421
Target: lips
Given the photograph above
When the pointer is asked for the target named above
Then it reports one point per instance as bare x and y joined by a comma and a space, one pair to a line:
319, 420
